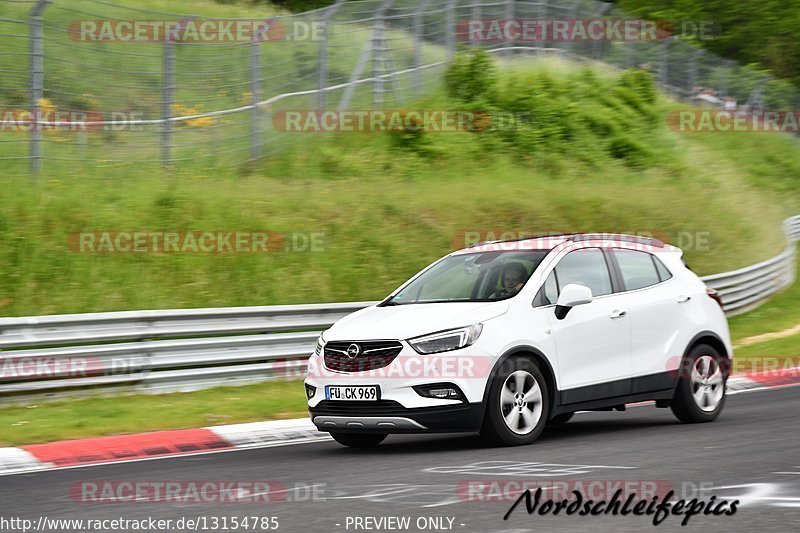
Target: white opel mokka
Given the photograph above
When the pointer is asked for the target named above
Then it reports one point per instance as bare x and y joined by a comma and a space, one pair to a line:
504, 338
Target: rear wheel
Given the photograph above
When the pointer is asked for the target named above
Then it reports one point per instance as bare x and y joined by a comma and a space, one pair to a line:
700, 394
359, 440
518, 404
561, 419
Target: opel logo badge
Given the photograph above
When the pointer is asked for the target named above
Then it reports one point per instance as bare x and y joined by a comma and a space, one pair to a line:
353, 350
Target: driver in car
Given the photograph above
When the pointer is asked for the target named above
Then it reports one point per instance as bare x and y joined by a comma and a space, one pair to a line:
514, 276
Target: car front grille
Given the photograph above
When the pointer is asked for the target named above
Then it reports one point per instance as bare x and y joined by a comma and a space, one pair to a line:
360, 356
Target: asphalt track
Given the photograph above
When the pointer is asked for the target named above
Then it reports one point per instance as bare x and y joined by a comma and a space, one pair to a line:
751, 453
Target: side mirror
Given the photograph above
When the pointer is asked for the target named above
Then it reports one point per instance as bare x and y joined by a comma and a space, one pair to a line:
572, 295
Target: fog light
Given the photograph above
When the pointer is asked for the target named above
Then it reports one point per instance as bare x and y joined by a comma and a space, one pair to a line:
310, 391
440, 391
444, 393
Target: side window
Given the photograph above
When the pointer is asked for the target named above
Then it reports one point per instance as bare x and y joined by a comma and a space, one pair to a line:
637, 268
550, 289
663, 273
585, 267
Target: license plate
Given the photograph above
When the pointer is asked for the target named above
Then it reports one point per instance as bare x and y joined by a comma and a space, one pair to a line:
352, 393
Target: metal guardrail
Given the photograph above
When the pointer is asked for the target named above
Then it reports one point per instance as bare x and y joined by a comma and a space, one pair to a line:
747, 288
189, 349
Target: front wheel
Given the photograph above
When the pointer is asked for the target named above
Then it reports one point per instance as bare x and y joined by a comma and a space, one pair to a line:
518, 404
359, 440
700, 394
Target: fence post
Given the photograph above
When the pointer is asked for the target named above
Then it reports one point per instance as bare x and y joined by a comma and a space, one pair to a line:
574, 15
450, 29
378, 39
601, 10
508, 16
418, 35
322, 96
168, 101
663, 60
723, 79
475, 15
36, 81
255, 91
693, 71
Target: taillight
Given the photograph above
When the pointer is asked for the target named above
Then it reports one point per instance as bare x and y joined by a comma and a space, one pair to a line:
714, 295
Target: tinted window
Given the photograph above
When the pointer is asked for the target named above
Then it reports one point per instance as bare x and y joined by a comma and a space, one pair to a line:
638, 269
471, 277
663, 273
550, 290
585, 267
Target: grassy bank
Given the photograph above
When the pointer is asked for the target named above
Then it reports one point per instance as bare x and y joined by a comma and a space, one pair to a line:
600, 159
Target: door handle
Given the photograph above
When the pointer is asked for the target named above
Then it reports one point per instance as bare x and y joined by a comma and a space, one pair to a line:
682, 299
618, 314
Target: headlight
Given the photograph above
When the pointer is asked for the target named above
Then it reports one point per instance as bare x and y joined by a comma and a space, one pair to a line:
320, 345
445, 341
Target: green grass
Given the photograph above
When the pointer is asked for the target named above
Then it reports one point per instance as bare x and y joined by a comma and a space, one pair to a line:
780, 313
783, 347
101, 416
386, 209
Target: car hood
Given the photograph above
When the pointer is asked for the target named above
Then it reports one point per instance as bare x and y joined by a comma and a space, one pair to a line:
411, 320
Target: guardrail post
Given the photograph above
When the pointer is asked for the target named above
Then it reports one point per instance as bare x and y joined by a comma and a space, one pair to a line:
168, 102
255, 90
36, 81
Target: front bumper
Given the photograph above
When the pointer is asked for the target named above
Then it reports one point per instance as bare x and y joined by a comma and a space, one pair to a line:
386, 416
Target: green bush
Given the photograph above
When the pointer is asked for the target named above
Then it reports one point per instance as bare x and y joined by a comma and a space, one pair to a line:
630, 150
470, 76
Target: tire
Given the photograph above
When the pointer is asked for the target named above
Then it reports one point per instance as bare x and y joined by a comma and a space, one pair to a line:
504, 399
560, 420
700, 394
359, 440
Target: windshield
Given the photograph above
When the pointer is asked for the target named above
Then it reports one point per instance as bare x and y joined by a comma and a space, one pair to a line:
477, 277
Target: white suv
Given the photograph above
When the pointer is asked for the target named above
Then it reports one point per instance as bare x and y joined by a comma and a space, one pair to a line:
506, 337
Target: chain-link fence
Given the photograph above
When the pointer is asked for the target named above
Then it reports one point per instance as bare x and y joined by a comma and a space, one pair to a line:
93, 82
